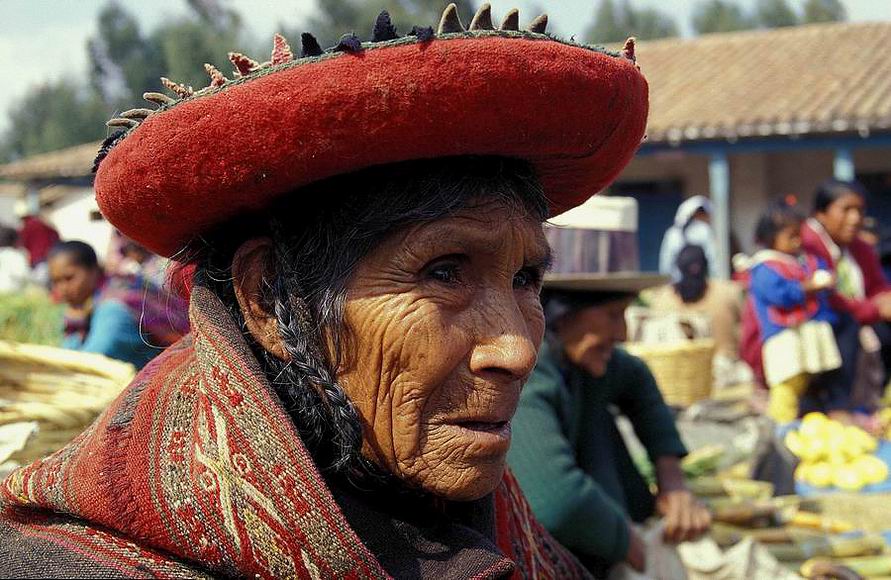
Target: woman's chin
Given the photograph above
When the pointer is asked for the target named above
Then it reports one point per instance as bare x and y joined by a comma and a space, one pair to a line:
469, 483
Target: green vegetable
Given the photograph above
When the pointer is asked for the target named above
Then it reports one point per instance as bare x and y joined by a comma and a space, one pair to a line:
31, 317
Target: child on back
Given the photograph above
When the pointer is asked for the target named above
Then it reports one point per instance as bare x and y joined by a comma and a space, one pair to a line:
789, 291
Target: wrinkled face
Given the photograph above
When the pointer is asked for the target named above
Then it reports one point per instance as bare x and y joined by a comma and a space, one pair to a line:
788, 240
589, 335
70, 282
843, 218
445, 323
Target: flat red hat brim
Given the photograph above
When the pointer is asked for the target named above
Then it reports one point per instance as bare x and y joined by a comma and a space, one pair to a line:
576, 114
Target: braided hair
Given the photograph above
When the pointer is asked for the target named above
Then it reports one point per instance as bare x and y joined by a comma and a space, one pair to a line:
319, 235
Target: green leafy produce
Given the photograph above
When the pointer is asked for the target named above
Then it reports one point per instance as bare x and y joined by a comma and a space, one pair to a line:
31, 317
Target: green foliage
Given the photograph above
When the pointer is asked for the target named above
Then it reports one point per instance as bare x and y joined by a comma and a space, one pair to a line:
31, 317
614, 22
186, 45
775, 14
338, 17
124, 61
720, 16
53, 116
824, 11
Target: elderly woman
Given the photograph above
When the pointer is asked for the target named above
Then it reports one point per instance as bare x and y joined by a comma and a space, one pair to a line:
365, 229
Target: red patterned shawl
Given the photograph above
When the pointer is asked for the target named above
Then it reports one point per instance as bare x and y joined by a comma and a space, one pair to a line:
196, 470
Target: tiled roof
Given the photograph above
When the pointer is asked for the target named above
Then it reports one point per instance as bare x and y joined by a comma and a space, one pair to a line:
813, 79
803, 80
74, 161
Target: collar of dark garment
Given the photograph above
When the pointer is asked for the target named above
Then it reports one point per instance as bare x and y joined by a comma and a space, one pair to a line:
412, 538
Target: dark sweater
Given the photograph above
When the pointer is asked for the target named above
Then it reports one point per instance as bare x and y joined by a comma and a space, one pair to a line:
560, 431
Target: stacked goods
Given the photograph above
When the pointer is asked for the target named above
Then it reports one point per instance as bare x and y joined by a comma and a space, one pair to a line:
815, 544
62, 390
833, 454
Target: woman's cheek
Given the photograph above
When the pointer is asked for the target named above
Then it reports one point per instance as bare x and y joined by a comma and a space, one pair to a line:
535, 320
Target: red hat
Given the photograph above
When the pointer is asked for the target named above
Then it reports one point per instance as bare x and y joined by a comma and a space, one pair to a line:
576, 112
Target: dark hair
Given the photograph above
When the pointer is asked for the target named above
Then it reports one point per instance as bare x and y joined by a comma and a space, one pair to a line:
693, 266
558, 304
832, 190
80, 253
8, 236
320, 234
779, 215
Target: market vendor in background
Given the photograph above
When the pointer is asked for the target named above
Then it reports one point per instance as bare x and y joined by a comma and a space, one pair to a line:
119, 317
862, 300
567, 451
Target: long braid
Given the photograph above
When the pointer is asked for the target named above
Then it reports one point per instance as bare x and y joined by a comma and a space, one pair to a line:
328, 421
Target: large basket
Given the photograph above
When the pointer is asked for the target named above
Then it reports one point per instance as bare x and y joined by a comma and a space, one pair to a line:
683, 369
62, 390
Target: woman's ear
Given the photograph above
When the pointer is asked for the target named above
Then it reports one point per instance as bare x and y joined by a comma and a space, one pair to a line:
251, 265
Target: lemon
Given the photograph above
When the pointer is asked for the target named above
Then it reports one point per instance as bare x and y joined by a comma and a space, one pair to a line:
813, 450
820, 474
802, 472
832, 430
793, 442
847, 478
812, 424
871, 469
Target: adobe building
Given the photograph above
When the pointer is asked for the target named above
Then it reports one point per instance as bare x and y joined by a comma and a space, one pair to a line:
747, 117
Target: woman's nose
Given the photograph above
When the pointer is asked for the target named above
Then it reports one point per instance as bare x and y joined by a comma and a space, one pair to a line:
620, 330
508, 350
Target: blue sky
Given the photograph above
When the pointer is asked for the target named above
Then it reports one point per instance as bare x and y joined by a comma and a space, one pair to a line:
42, 40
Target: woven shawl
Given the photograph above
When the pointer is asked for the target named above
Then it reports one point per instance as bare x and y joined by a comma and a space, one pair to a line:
197, 471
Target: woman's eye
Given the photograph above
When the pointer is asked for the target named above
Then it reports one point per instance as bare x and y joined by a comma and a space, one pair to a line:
526, 278
447, 273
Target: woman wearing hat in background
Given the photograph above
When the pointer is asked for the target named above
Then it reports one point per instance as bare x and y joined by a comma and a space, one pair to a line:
365, 226
568, 453
692, 227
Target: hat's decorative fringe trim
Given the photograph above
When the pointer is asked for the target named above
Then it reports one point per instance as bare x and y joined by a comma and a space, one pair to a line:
383, 34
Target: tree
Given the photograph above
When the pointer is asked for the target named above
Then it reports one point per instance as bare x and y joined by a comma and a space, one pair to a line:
824, 11
615, 23
123, 62
719, 16
775, 14
53, 116
609, 24
338, 17
649, 24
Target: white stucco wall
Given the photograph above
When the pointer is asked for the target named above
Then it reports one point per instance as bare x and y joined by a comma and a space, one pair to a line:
72, 217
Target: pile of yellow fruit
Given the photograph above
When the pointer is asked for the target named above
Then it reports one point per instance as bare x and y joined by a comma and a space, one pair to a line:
834, 454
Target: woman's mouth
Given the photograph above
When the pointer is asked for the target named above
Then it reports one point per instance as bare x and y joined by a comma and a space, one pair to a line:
487, 426
488, 438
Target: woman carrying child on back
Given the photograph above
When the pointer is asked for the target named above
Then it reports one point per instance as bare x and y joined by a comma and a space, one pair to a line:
790, 293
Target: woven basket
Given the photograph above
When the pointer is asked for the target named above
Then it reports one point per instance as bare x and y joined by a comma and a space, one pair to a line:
62, 390
683, 369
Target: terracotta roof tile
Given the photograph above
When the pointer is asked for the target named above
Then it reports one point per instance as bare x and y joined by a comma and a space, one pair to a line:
74, 161
819, 78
